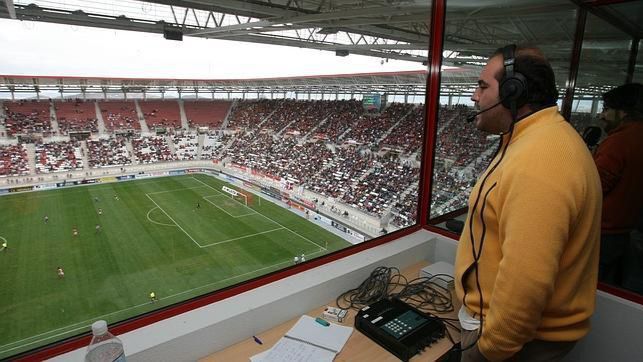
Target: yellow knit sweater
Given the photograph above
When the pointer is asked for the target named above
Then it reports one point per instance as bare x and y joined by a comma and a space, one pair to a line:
539, 263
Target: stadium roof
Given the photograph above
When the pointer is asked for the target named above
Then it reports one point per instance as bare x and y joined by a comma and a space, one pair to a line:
390, 29
408, 82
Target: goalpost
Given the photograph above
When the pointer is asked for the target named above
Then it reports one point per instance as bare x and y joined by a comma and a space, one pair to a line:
244, 198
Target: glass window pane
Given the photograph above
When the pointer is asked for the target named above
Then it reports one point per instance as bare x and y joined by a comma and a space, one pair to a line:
227, 179
472, 34
603, 67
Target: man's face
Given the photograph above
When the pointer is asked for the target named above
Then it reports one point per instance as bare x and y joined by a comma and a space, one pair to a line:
611, 118
497, 119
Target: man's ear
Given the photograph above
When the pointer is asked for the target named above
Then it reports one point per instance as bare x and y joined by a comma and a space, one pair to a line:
621, 115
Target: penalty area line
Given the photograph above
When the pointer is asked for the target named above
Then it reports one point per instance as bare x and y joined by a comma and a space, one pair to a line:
242, 237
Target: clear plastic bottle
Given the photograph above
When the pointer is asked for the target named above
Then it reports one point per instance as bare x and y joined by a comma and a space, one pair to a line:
104, 347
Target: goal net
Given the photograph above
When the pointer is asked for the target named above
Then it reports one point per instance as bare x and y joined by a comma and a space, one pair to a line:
244, 198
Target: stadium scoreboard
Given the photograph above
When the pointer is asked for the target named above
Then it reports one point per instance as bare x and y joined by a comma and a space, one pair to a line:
372, 102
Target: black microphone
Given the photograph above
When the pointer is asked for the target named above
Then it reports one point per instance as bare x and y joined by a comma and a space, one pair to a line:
473, 116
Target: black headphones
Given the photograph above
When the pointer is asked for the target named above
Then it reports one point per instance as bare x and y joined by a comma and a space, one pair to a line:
513, 85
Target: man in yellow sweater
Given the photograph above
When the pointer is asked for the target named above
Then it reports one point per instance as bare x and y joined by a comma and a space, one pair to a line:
527, 261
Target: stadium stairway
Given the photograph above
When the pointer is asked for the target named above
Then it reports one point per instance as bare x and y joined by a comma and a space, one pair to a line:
314, 128
225, 122
3, 129
184, 118
170, 144
130, 149
85, 152
199, 148
388, 131
260, 124
31, 156
101, 122
141, 118
53, 119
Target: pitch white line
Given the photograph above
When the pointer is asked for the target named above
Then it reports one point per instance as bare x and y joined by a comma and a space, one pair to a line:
241, 237
185, 188
177, 224
222, 209
197, 180
278, 223
84, 325
156, 222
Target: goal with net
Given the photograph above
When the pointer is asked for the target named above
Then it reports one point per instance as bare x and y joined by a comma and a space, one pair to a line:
241, 197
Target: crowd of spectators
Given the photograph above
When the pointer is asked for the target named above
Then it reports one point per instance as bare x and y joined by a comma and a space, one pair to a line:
161, 114
186, 146
405, 210
388, 178
343, 116
315, 113
152, 149
30, 116
119, 115
75, 115
371, 128
213, 144
108, 152
407, 135
289, 112
247, 114
58, 156
13, 160
462, 153
347, 166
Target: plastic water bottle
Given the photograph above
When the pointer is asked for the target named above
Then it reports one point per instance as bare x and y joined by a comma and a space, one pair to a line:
104, 347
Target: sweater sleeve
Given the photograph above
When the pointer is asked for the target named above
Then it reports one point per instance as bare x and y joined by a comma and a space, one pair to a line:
609, 163
537, 208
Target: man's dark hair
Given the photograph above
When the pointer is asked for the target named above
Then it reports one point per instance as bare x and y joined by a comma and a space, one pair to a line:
541, 81
628, 98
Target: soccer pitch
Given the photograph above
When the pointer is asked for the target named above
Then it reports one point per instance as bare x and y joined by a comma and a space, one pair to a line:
177, 236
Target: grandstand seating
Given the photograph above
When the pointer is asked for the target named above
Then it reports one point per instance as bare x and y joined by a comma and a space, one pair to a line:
186, 146
119, 115
407, 135
152, 149
58, 157
108, 152
76, 115
161, 114
249, 113
27, 117
213, 144
369, 129
13, 161
360, 173
206, 113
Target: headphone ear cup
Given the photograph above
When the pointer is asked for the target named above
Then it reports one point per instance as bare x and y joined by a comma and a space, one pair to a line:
514, 90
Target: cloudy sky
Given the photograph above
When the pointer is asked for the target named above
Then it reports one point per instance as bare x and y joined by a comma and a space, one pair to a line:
33, 48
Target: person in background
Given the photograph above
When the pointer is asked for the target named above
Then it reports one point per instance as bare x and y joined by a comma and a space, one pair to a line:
526, 265
619, 160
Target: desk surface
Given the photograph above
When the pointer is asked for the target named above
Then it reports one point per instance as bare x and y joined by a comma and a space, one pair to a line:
358, 348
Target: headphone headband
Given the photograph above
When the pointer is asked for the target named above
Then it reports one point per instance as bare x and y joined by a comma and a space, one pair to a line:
513, 86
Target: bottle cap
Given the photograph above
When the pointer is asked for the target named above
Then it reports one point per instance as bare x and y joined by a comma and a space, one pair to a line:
99, 328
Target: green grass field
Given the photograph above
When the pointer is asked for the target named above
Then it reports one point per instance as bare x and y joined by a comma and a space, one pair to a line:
152, 238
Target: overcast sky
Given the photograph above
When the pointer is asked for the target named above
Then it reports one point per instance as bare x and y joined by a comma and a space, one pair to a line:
35, 48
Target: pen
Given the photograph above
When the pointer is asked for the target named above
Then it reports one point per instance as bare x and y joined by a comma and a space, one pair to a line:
322, 322
257, 339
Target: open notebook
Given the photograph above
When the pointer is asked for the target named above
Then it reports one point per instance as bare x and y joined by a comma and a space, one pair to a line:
307, 341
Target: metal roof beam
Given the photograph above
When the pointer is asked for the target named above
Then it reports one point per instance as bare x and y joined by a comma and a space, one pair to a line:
11, 10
